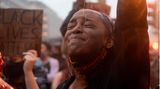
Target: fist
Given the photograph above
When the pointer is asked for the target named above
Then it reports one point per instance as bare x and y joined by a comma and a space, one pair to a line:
30, 57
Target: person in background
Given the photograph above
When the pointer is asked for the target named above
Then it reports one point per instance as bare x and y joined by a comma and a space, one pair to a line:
60, 77
50, 64
1, 64
13, 72
40, 73
56, 52
63, 74
4, 85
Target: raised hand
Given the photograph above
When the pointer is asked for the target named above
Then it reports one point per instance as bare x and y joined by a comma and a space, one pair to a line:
30, 58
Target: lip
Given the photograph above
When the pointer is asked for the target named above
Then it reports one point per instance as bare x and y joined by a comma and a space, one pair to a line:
76, 38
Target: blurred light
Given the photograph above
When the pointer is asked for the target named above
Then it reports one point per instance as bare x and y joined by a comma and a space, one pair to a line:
45, 18
44, 34
45, 26
93, 1
155, 45
151, 1
32, 0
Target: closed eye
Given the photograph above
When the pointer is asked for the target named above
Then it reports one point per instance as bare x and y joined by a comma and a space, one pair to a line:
89, 25
70, 26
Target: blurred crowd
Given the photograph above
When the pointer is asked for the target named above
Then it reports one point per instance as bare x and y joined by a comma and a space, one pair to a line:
49, 70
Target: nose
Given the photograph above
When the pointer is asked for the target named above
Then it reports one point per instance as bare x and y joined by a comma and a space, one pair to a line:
78, 29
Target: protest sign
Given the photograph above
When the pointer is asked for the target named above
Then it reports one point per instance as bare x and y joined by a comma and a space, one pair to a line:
20, 30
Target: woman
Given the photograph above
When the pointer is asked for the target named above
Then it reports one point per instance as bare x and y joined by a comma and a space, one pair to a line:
83, 32
95, 62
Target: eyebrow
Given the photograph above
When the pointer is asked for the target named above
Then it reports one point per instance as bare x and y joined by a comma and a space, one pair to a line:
88, 19
72, 20
84, 17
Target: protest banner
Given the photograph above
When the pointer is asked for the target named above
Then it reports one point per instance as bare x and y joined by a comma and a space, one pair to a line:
20, 30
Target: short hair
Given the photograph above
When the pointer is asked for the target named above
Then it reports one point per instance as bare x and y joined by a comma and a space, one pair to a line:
108, 23
48, 46
106, 20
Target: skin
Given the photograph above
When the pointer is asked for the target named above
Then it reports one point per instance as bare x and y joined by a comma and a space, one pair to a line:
30, 58
43, 47
86, 36
4, 85
44, 50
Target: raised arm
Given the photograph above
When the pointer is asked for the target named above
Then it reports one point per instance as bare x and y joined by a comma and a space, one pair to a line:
30, 58
132, 44
131, 14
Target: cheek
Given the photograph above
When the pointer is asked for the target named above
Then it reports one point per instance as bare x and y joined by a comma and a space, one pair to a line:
93, 44
66, 35
70, 47
95, 40
96, 37
64, 46
65, 41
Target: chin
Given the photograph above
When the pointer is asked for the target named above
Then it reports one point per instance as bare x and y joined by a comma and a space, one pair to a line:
74, 53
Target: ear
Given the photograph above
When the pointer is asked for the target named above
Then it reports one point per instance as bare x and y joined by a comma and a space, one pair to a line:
109, 43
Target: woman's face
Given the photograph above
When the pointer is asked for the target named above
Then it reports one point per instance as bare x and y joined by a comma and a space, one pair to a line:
86, 35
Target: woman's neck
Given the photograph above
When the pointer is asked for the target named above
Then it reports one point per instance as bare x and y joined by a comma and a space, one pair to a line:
80, 82
90, 69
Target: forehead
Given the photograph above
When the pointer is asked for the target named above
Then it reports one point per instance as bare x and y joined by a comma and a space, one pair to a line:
87, 14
